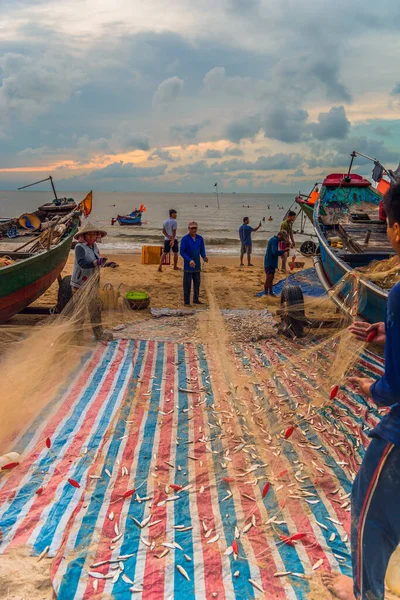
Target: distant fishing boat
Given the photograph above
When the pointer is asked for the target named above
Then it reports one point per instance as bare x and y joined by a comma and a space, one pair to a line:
134, 218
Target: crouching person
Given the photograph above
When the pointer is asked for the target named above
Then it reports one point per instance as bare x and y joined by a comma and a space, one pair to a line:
85, 280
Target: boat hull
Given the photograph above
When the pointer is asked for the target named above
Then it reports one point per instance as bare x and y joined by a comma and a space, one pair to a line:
129, 220
25, 281
307, 209
372, 305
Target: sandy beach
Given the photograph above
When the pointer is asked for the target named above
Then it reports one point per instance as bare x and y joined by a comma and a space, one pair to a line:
234, 286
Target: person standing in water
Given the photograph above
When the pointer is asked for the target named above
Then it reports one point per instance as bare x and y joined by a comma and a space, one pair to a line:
375, 518
245, 232
169, 230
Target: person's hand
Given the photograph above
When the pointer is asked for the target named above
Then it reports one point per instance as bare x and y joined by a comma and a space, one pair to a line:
363, 383
101, 261
205, 259
259, 224
362, 330
192, 264
111, 264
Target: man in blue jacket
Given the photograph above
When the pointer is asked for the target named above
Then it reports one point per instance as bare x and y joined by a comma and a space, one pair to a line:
375, 515
192, 248
271, 260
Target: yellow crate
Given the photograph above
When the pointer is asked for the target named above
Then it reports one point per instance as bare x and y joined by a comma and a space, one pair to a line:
151, 255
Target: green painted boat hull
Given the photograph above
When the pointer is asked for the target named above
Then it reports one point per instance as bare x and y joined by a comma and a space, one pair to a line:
26, 280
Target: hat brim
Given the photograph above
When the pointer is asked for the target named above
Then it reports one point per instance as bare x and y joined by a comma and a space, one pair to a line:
100, 231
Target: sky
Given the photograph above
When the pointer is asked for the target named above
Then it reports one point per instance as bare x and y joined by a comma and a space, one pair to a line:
257, 95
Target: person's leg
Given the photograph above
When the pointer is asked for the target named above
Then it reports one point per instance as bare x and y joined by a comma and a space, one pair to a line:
375, 524
79, 314
242, 251
167, 249
196, 287
249, 249
176, 257
187, 284
268, 283
284, 261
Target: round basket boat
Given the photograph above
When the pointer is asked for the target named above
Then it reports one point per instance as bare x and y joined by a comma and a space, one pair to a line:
137, 300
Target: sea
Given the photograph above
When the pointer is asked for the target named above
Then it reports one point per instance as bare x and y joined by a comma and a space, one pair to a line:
217, 224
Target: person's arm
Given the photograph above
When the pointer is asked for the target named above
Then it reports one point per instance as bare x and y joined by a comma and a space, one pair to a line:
258, 227
203, 250
183, 251
172, 239
166, 234
240, 234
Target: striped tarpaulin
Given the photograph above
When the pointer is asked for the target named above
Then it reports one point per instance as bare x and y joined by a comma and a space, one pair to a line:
156, 417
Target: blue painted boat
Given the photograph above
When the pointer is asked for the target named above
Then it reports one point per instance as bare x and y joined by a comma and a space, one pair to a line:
350, 235
134, 218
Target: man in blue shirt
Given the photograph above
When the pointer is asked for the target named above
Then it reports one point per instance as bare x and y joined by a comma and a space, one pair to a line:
375, 514
245, 232
192, 248
271, 260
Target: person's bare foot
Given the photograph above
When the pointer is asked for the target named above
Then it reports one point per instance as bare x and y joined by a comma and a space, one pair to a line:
177, 269
160, 269
340, 586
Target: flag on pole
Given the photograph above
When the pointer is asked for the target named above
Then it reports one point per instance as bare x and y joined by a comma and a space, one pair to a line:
86, 204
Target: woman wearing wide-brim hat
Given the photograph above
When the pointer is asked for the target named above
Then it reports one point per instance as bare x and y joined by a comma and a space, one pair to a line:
86, 278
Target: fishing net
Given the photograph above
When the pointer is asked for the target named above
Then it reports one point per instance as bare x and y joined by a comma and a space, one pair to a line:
240, 449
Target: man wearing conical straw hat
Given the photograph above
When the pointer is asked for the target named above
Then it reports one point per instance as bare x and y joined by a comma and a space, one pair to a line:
86, 278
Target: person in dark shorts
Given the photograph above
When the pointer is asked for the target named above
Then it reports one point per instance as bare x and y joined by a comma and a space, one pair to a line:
271, 260
169, 229
245, 232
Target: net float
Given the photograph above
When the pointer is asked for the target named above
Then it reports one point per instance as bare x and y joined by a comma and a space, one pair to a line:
334, 392
372, 335
10, 457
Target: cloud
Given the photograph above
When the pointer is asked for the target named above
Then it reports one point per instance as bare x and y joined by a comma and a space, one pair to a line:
285, 124
382, 131
168, 91
30, 86
332, 124
246, 128
187, 133
213, 154
299, 173
275, 162
162, 155
233, 152
396, 89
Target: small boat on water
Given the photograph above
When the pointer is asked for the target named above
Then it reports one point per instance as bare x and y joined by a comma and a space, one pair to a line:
134, 218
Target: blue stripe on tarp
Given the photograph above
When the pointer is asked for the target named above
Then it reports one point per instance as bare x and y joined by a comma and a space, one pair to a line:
68, 492
243, 590
73, 573
182, 509
42, 417
40, 469
131, 539
319, 511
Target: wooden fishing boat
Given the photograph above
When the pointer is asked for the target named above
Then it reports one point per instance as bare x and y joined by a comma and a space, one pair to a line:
32, 273
58, 206
305, 206
351, 235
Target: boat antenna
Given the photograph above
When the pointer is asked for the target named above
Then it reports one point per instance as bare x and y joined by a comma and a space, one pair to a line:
49, 178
